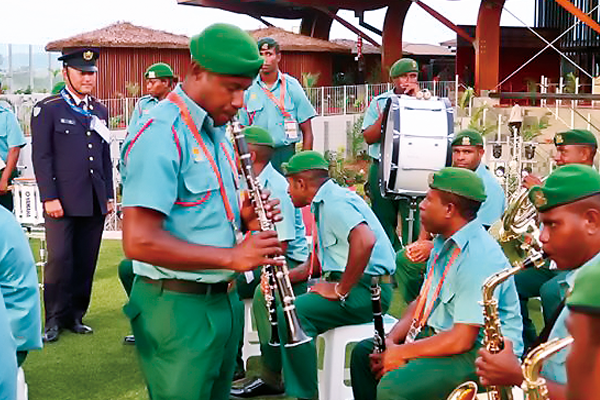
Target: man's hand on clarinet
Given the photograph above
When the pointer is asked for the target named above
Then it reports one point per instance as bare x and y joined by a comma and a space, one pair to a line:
256, 250
248, 213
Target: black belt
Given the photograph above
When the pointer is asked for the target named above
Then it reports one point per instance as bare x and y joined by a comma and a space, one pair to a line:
190, 287
336, 276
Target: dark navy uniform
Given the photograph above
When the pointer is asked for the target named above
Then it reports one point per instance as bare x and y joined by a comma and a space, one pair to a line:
72, 163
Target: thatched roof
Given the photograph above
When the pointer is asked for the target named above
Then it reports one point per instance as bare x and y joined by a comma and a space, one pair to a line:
122, 34
367, 48
289, 41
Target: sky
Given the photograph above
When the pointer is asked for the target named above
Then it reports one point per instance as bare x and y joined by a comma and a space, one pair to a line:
41, 21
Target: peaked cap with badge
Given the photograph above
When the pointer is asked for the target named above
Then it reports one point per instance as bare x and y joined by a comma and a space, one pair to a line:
81, 59
565, 185
468, 137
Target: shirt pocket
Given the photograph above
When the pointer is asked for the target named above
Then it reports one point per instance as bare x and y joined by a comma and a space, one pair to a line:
446, 294
329, 239
254, 105
65, 129
199, 184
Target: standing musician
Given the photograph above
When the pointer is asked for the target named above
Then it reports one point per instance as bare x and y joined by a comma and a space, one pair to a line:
432, 348
277, 103
159, 82
575, 146
353, 248
583, 362
290, 230
182, 224
467, 152
569, 209
73, 168
11, 141
19, 286
405, 75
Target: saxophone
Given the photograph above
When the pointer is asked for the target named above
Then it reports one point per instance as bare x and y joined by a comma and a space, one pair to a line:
534, 386
492, 335
277, 276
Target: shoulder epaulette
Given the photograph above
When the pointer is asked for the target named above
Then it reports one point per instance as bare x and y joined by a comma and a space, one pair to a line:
50, 99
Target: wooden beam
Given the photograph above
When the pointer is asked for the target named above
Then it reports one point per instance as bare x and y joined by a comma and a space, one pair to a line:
348, 25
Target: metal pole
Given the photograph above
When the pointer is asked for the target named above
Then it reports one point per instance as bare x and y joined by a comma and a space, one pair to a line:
345, 98
456, 90
31, 67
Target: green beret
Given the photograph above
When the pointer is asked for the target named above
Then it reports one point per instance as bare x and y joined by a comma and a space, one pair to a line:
468, 137
58, 86
565, 185
459, 181
267, 43
403, 66
257, 135
226, 50
585, 296
304, 161
158, 70
576, 136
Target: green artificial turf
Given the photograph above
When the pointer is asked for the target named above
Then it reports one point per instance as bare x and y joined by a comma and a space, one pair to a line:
99, 366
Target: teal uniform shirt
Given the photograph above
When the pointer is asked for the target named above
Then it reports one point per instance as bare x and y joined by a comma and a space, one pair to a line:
260, 110
8, 357
291, 228
166, 170
459, 299
11, 134
554, 367
493, 207
19, 284
373, 112
142, 107
337, 211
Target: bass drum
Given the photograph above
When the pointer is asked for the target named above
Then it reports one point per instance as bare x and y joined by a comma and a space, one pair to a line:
416, 141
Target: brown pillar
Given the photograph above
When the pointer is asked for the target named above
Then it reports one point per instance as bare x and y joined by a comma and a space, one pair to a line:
391, 49
316, 24
487, 45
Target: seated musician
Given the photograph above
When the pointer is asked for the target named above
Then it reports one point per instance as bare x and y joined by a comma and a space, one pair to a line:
290, 230
467, 152
8, 363
405, 78
432, 349
569, 207
353, 248
575, 146
19, 287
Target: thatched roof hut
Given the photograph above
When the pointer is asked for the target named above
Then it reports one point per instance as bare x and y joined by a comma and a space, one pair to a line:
122, 34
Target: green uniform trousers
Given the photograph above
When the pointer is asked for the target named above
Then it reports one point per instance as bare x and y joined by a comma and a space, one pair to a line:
387, 211
316, 315
186, 342
126, 275
409, 276
419, 379
282, 154
542, 282
246, 291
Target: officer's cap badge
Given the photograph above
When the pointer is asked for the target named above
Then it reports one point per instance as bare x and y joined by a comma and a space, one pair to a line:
539, 199
88, 55
466, 141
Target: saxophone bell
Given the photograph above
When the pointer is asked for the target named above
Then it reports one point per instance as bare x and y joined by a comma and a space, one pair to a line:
466, 391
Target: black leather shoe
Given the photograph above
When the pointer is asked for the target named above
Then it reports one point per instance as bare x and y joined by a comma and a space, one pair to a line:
51, 334
80, 328
129, 339
254, 388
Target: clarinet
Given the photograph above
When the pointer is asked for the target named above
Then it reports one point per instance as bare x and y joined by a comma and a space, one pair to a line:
379, 337
277, 276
